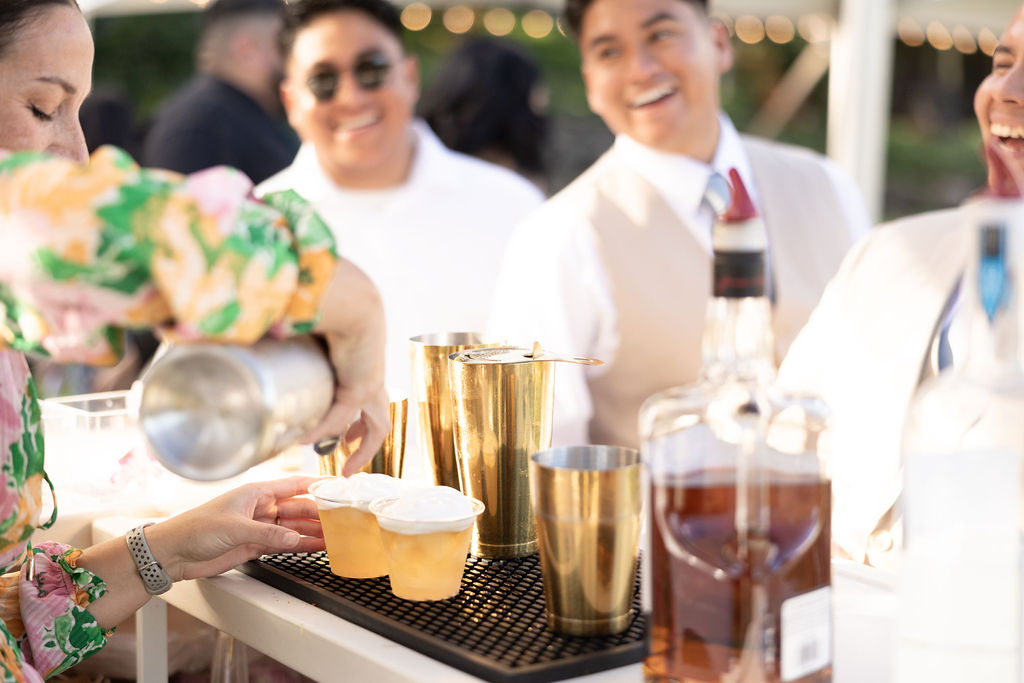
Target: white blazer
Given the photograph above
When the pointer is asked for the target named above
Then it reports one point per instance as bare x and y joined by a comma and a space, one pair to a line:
863, 351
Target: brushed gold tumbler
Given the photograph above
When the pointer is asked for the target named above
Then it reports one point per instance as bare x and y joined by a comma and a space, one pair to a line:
587, 502
504, 402
432, 401
389, 458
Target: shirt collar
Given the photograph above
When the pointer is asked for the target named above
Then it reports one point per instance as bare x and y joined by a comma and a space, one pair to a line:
679, 179
430, 165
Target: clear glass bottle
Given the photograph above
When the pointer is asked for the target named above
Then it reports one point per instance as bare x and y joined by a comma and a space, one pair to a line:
737, 569
959, 614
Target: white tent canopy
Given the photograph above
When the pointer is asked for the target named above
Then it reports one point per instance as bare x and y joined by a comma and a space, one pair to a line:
861, 55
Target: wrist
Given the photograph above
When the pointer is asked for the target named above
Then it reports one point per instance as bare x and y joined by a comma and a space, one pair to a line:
154, 577
162, 546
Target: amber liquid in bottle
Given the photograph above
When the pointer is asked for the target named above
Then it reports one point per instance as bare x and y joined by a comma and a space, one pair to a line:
697, 634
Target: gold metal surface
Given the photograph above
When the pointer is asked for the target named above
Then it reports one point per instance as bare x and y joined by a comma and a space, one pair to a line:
503, 414
389, 458
587, 502
431, 398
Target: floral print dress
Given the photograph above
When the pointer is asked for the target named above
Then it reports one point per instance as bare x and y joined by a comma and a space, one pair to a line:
87, 250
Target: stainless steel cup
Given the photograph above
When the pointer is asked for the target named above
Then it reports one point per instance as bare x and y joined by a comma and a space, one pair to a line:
431, 399
587, 502
212, 411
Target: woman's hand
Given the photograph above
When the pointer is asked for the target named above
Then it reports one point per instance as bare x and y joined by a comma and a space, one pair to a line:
352, 321
238, 526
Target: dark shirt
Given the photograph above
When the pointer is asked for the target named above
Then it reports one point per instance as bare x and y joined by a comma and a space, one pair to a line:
208, 123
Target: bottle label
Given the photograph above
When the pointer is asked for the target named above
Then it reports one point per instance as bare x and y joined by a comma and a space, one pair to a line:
806, 638
959, 601
738, 274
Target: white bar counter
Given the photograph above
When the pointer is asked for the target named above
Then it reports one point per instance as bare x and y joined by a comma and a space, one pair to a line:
328, 648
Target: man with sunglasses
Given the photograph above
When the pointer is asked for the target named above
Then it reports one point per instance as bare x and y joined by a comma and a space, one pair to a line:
634, 231
230, 111
428, 225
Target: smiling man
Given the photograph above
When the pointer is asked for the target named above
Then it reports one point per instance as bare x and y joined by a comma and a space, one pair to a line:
428, 225
888, 321
625, 272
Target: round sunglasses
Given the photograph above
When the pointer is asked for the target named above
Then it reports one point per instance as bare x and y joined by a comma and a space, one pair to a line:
370, 72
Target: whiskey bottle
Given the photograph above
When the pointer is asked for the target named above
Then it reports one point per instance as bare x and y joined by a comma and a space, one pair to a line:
737, 564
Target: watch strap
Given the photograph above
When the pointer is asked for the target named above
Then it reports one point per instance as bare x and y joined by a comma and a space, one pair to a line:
154, 578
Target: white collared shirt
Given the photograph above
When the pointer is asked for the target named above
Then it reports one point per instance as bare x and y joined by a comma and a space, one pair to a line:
431, 245
680, 180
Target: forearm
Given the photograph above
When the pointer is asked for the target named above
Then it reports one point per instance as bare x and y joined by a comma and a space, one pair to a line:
112, 562
351, 305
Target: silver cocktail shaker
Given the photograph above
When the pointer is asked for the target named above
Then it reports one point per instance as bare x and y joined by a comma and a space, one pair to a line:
211, 411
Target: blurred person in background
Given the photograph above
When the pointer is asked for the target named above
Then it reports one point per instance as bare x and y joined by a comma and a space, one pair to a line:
427, 224
487, 100
624, 274
229, 113
888, 321
108, 118
61, 215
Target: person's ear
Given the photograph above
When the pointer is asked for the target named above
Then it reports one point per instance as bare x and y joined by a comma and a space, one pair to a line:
722, 44
411, 75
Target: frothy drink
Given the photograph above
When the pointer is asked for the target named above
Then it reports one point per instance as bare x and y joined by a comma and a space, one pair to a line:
426, 535
351, 533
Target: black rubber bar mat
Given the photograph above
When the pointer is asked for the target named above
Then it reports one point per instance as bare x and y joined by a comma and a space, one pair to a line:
494, 628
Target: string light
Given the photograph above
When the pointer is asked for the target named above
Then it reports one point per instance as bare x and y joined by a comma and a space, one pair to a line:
416, 16
963, 40
779, 29
814, 28
987, 41
499, 21
938, 36
560, 27
910, 32
537, 23
459, 19
749, 29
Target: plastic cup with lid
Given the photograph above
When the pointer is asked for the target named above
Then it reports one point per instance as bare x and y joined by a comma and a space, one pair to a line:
351, 533
426, 534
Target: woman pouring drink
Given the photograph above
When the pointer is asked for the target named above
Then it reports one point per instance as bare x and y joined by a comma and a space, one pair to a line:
90, 247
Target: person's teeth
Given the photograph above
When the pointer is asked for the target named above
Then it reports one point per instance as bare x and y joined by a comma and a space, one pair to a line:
652, 95
1001, 130
360, 122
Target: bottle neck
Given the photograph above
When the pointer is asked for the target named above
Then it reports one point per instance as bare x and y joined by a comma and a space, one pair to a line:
994, 308
738, 343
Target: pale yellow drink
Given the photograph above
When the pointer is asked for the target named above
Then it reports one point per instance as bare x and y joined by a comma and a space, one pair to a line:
351, 532
426, 535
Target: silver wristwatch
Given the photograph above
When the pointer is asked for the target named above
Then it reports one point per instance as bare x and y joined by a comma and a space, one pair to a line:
154, 578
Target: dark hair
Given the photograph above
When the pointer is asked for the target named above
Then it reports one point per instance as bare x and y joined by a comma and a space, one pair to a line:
14, 14
575, 9
300, 13
220, 10
479, 100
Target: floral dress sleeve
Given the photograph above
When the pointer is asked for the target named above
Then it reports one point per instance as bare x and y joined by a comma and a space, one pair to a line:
95, 248
87, 250
45, 626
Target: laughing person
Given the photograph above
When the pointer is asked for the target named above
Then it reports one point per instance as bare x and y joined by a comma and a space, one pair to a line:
625, 272
428, 225
878, 332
